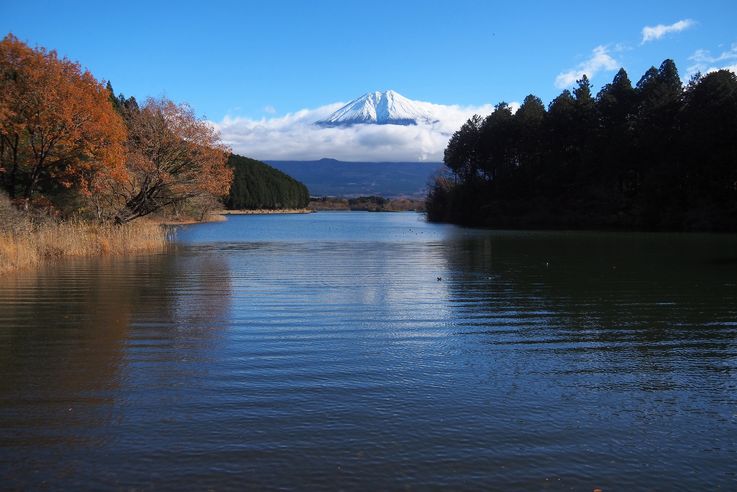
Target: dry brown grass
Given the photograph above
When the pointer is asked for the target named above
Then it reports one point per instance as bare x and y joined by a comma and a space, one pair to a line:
25, 247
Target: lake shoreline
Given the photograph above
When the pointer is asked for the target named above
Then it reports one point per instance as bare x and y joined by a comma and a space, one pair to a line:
171, 222
266, 211
34, 247
221, 215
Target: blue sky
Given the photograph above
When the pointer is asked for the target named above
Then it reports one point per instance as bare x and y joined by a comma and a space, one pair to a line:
265, 60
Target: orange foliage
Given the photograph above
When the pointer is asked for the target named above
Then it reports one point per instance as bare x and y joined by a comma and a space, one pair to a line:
172, 156
59, 129
57, 125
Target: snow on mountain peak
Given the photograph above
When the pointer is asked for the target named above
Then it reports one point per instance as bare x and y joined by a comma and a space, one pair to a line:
380, 108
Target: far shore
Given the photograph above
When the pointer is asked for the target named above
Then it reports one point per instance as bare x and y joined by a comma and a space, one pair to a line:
220, 215
266, 211
171, 221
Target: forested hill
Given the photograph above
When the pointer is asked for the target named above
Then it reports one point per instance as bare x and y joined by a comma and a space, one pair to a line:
259, 186
656, 156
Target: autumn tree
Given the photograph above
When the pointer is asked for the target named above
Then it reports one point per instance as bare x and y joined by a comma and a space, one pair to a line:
172, 157
57, 126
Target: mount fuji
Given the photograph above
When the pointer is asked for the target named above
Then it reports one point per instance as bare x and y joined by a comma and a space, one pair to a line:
381, 108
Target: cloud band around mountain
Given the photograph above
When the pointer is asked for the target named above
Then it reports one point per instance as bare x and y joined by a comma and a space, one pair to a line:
295, 136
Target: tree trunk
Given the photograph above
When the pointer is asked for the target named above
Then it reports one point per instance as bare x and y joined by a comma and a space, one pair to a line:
12, 147
34, 179
123, 217
14, 171
138, 206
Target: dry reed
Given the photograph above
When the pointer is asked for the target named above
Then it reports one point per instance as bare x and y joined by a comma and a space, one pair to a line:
32, 246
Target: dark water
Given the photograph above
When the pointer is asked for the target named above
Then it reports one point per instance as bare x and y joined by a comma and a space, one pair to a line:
321, 351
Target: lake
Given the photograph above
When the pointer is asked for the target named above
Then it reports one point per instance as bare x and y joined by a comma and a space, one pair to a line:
375, 351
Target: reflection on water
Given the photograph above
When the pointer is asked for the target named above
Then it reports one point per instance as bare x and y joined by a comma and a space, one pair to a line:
84, 343
323, 351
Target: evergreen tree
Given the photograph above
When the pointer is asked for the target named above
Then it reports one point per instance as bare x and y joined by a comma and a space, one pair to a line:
257, 185
651, 157
710, 149
461, 154
529, 119
616, 102
497, 142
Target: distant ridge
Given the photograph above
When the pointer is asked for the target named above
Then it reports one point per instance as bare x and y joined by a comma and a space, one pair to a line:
380, 108
330, 177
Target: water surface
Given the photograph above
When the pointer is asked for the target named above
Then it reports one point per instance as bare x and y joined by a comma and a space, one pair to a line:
375, 351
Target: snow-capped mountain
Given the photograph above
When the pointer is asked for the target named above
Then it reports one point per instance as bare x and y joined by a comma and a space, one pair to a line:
380, 108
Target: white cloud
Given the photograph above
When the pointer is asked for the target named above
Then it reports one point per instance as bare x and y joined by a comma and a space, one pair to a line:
704, 62
653, 33
269, 109
600, 60
296, 137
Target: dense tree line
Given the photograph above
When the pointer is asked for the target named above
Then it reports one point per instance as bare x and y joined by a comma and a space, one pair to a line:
259, 186
655, 156
69, 146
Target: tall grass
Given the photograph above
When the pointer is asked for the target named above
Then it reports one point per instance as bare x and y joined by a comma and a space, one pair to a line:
33, 244
29, 239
